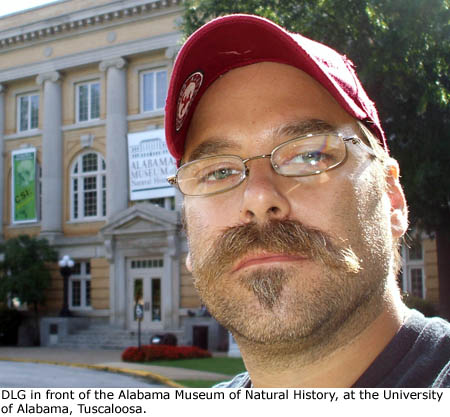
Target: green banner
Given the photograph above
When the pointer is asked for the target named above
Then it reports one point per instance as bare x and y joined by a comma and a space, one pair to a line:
24, 185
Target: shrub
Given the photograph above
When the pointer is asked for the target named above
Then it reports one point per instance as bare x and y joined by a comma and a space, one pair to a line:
148, 353
424, 306
25, 273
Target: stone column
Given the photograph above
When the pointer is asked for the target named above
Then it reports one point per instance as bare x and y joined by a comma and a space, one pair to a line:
2, 146
52, 155
116, 136
171, 54
172, 274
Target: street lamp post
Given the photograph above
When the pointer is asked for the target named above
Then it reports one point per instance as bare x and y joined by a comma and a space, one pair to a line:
65, 268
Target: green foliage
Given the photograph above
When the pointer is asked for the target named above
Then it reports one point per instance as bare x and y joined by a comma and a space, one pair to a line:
23, 270
220, 365
401, 49
424, 306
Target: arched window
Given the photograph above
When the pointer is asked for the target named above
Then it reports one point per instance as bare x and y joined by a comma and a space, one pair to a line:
88, 187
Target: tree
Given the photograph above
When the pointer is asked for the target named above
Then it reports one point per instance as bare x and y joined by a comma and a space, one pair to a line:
401, 49
24, 273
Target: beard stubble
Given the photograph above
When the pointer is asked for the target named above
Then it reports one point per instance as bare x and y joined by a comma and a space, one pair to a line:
213, 265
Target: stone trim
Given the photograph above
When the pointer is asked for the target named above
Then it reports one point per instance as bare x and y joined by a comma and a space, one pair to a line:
52, 76
90, 57
37, 223
172, 51
24, 135
145, 115
84, 125
86, 141
105, 15
118, 63
151, 66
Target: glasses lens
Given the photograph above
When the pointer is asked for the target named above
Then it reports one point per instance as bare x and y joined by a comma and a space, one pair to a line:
211, 175
309, 155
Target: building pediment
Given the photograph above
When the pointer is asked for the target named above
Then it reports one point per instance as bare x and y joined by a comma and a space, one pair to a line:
142, 218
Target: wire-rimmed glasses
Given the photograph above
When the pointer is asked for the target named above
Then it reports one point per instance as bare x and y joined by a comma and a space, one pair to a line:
303, 156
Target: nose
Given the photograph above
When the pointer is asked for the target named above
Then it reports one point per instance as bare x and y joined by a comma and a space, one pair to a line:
263, 197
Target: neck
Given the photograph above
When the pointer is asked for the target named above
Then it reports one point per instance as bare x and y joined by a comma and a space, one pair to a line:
338, 361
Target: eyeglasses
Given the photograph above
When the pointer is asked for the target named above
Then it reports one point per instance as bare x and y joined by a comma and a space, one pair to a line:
300, 157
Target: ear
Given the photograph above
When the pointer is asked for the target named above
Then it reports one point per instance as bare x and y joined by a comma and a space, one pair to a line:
188, 262
399, 210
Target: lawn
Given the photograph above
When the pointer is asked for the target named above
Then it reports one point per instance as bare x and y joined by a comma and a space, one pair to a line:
196, 383
221, 365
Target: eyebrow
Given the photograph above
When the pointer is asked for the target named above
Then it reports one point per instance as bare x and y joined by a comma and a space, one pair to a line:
303, 127
217, 145
212, 146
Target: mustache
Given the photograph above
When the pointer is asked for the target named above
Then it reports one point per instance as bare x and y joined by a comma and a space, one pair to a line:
277, 236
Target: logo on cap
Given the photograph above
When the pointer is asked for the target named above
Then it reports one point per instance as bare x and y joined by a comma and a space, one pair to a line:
187, 94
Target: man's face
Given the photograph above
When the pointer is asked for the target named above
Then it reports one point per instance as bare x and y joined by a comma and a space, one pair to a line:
279, 258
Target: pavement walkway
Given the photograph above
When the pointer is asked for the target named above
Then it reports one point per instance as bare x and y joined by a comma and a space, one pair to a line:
106, 360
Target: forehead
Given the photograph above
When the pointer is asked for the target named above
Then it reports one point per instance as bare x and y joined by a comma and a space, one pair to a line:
249, 106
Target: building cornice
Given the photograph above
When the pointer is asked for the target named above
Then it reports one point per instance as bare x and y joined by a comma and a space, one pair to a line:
69, 24
90, 57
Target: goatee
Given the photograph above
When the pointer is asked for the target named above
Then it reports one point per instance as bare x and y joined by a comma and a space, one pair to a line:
288, 237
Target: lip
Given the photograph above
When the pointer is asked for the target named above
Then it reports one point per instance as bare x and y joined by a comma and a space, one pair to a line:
265, 258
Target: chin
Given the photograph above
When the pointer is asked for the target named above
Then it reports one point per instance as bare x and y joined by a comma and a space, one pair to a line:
278, 306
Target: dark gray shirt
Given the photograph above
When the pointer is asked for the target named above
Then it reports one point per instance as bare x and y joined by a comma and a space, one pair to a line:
418, 356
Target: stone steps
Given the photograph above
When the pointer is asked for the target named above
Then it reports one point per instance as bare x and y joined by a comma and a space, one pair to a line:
107, 337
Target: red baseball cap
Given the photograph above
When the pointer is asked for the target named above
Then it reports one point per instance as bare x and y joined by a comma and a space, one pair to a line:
238, 40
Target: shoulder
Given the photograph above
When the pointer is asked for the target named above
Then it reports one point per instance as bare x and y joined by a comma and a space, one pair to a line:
433, 330
433, 347
239, 381
443, 379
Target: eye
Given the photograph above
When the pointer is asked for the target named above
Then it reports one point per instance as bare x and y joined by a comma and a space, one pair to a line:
310, 158
220, 174
217, 173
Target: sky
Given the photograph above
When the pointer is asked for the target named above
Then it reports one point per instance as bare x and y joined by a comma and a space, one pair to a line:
7, 7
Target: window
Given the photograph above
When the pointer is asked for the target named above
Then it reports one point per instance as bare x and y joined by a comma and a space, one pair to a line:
147, 263
413, 274
88, 101
156, 299
27, 112
153, 90
80, 286
165, 202
88, 187
416, 276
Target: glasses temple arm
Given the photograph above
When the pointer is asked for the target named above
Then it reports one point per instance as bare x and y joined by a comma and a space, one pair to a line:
357, 141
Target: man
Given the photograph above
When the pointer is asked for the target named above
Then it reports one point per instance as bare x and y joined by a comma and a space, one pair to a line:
294, 212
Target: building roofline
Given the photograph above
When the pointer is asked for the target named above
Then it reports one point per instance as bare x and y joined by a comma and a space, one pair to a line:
73, 22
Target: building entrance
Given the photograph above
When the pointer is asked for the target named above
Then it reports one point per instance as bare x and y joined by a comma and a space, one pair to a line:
145, 288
